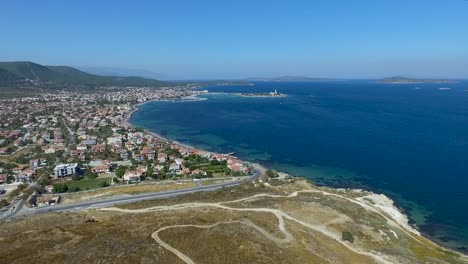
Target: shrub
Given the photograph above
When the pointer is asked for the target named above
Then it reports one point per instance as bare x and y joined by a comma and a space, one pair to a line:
22, 186
271, 174
60, 188
76, 177
3, 203
14, 192
347, 236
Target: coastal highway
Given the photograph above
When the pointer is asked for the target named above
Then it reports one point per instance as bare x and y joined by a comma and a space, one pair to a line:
123, 199
13, 209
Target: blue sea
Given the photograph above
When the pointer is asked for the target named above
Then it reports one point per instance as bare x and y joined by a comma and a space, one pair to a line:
408, 141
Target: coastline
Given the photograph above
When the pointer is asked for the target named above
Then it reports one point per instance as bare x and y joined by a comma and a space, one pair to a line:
245, 95
371, 200
126, 122
136, 107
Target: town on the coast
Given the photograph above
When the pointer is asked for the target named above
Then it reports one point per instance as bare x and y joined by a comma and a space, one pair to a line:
73, 167
67, 142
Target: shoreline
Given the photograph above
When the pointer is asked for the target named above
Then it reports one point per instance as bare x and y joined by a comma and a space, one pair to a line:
136, 107
245, 95
263, 96
380, 201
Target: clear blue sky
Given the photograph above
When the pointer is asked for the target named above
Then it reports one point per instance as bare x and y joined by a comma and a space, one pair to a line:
230, 39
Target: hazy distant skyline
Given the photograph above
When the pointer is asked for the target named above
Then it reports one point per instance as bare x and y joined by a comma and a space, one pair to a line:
239, 39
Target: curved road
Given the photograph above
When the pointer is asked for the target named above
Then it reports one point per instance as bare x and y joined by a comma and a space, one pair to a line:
123, 199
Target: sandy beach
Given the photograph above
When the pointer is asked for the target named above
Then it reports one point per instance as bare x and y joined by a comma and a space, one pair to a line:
126, 123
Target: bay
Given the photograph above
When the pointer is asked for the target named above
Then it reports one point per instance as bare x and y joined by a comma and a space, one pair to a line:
408, 141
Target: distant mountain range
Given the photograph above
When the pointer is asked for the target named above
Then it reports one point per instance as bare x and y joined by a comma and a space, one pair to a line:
403, 80
24, 73
288, 78
395, 80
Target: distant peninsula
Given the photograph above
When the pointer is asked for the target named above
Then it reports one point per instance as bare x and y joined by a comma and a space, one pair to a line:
288, 78
405, 80
29, 78
270, 94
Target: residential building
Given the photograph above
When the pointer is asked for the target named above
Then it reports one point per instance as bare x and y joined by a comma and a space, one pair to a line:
132, 176
65, 170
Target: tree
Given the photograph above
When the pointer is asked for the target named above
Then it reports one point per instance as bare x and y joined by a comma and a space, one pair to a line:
149, 172
159, 176
89, 173
120, 171
237, 173
10, 179
9, 166
22, 160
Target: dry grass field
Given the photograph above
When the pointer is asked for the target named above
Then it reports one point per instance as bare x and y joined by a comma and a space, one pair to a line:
123, 190
253, 223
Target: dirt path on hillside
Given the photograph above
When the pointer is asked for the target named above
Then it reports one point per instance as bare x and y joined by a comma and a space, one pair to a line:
280, 215
186, 259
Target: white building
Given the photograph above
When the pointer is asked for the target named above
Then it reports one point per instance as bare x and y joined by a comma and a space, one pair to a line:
65, 170
132, 176
49, 151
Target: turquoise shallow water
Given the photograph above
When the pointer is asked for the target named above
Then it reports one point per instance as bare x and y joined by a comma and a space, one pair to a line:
411, 144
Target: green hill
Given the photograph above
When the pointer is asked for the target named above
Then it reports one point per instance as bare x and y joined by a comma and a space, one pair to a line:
52, 76
6, 76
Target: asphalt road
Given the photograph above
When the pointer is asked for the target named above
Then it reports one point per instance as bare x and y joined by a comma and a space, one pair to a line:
118, 200
13, 209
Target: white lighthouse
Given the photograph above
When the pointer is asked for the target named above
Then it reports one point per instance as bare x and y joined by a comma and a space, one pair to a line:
274, 93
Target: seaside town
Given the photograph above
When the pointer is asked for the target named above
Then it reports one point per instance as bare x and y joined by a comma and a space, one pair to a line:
68, 142
216, 132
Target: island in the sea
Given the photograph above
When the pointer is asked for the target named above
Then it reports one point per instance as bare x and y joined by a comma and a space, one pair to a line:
405, 80
275, 93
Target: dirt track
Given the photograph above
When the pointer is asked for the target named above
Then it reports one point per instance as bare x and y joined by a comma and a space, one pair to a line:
280, 215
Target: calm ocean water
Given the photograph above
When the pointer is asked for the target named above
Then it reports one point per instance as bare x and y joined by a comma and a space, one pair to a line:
409, 141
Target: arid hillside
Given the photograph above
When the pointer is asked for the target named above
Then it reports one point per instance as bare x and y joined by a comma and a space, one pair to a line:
282, 221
